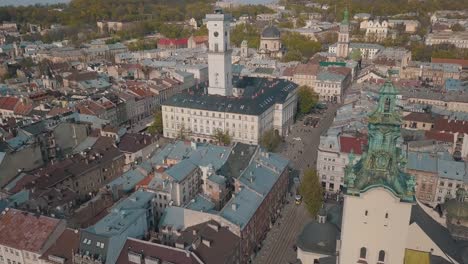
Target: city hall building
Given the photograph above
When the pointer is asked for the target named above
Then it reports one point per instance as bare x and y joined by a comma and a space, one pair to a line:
243, 107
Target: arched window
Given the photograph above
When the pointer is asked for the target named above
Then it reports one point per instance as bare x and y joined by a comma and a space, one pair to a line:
386, 215
381, 256
363, 253
366, 212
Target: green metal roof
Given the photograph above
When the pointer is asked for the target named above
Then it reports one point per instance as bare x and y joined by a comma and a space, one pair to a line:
382, 165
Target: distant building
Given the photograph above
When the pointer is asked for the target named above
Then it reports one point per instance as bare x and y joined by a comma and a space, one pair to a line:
459, 39
167, 43
113, 26
376, 29
270, 42
343, 37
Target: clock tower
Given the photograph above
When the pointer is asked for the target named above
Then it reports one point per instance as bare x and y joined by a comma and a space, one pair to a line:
378, 193
219, 53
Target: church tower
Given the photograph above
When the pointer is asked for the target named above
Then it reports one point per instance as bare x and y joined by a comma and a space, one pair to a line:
342, 48
219, 53
378, 194
244, 49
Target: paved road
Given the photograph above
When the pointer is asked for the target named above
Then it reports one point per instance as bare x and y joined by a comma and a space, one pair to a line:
277, 248
303, 153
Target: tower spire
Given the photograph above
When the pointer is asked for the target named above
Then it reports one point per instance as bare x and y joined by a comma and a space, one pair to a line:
345, 16
381, 165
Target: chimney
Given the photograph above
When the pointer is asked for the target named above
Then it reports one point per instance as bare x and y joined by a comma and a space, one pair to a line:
234, 207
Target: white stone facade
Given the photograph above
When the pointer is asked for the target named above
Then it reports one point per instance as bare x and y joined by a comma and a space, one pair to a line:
219, 54
459, 39
374, 222
201, 125
375, 29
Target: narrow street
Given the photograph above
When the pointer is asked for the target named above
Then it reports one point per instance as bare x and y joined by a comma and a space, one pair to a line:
278, 246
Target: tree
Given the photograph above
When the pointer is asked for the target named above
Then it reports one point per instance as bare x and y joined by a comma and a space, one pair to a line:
245, 32
457, 27
307, 99
270, 140
303, 44
356, 54
311, 191
157, 126
292, 55
222, 137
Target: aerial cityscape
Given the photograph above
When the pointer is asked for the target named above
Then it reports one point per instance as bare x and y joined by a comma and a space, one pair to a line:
233, 132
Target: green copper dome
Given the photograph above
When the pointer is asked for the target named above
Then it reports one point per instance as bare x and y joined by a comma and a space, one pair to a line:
382, 164
345, 17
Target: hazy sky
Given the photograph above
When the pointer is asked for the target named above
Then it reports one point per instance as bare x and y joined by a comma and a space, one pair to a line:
30, 2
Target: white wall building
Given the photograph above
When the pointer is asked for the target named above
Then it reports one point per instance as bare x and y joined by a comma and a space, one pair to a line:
244, 110
219, 53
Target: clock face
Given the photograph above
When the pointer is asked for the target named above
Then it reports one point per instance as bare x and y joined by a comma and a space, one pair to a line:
216, 33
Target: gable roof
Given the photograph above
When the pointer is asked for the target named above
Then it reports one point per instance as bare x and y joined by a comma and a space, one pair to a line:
26, 231
439, 235
153, 250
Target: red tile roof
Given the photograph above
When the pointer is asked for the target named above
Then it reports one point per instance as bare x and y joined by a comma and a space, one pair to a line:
200, 39
23, 108
26, 231
306, 69
440, 136
58, 111
419, 117
340, 70
350, 143
176, 42
8, 103
454, 126
463, 63
66, 244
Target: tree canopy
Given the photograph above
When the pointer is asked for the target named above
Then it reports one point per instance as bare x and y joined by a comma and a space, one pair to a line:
297, 43
157, 126
307, 99
457, 27
222, 138
311, 191
250, 10
270, 140
245, 32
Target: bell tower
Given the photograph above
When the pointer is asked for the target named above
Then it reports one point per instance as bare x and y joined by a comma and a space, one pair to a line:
342, 48
378, 193
219, 54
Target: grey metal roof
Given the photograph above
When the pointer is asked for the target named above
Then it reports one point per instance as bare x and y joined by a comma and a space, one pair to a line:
439, 235
259, 95
271, 32
318, 238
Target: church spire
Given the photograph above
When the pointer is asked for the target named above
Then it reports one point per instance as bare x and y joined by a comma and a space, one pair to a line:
345, 17
381, 165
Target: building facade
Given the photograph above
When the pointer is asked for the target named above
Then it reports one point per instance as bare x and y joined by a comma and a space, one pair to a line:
219, 53
376, 180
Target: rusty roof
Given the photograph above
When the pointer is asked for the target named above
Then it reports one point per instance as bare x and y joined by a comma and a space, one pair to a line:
26, 231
